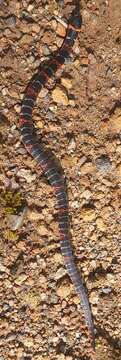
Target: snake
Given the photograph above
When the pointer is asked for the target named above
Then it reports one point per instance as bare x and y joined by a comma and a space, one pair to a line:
50, 170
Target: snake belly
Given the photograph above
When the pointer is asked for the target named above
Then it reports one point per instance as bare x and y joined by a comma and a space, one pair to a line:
31, 143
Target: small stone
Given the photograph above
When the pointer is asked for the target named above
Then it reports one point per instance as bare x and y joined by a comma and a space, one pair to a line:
64, 291
26, 174
8, 284
86, 194
53, 108
58, 258
21, 278
61, 30
31, 299
100, 224
103, 163
60, 273
30, 7
87, 214
77, 63
2, 268
36, 28
110, 278
94, 298
115, 122
84, 61
25, 28
54, 24
43, 281
72, 102
59, 96
72, 145
42, 230
29, 342
54, 299
61, 357
119, 170
16, 221
43, 93
11, 21
87, 168
33, 215
106, 290
4, 91
25, 39
66, 82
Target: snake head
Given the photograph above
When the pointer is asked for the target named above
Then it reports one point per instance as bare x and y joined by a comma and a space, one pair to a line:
76, 19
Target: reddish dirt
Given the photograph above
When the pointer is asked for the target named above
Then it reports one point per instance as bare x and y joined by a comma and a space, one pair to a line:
40, 313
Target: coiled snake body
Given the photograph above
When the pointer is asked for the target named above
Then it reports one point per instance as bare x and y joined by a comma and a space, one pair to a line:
31, 143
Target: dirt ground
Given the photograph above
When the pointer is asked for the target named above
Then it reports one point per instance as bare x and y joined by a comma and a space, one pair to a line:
79, 118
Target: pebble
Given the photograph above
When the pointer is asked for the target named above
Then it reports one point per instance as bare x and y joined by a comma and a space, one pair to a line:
34, 215
10, 337
54, 299
72, 102
20, 279
115, 122
66, 82
8, 284
43, 93
6, 307
58, 258
86, 194
64, 291
87, 214
30, 7
36, 28
11, 21
25, 39
103, 163
42, 230
119, 170
26, 174
43, 281
94, 298
59, 96
110, 278
106, 290
72, 145
16, 221
60, 273
100, 224
2, 268
29, 342
61, 357
4, 91
54, 24
61, 30
25, 28
87, 168
84, 61
31, 299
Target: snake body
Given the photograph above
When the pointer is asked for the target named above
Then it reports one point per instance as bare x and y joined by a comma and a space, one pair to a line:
31, 143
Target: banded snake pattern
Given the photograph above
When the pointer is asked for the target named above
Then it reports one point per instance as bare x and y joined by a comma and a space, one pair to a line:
31, 143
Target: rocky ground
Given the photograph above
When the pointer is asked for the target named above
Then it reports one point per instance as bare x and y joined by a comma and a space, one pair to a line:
80, 120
